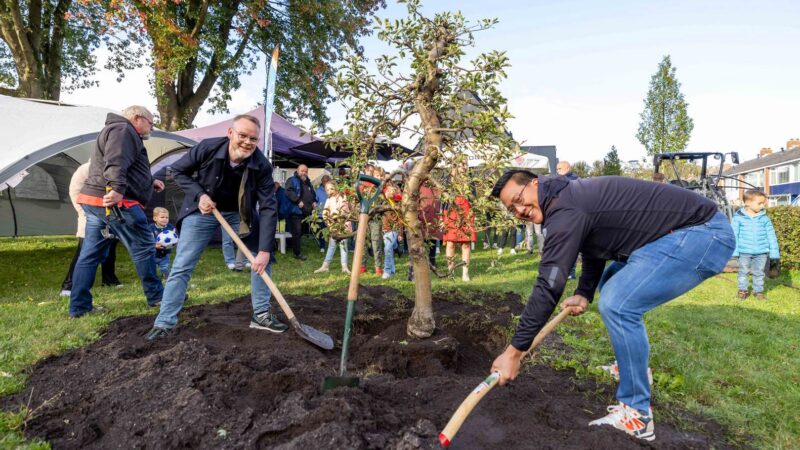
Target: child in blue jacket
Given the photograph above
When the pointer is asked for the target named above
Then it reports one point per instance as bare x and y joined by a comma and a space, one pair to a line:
755, 242
159, 225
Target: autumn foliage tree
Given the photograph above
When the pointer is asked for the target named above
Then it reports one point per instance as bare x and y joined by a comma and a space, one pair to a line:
427, 89
200, 49
47, 46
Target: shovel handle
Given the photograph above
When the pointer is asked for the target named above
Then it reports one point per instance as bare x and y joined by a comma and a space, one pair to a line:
469, 403
270, 284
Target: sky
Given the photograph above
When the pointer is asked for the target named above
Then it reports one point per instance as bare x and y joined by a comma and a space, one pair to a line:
580, 71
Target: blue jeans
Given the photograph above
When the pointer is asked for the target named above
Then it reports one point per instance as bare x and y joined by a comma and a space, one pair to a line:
754, 264
332, 250
135, 234
655, 274
196, 230
389, 242
228, 246
163, 264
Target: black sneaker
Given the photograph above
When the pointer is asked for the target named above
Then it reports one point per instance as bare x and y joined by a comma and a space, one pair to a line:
158, 333
300, 257
267, 321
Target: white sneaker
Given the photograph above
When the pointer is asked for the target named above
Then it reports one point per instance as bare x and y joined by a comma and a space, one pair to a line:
629, 420
499, 252
613, 369
230, 266
322, 250
386, 276
485, 245
513, 252
345, 270
64, 293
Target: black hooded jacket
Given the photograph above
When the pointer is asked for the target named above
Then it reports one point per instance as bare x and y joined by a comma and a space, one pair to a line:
119, 160
603, 218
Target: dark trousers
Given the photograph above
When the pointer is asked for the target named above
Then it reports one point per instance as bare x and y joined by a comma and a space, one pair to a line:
321, 238
108, 267
296, 224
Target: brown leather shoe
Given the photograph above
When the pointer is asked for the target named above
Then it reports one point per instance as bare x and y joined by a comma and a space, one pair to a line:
760, 296
742, 295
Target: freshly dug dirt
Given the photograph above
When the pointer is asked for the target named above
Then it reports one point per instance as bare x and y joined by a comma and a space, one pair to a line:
218, 384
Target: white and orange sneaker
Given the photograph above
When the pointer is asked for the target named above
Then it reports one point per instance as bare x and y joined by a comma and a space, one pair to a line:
629, 420
613, 369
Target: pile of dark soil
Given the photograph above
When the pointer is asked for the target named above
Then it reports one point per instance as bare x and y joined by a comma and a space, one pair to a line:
218, 384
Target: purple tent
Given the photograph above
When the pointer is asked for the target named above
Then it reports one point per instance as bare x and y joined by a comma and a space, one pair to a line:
284, 137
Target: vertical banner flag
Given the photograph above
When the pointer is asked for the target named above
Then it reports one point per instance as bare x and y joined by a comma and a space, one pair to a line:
269, 101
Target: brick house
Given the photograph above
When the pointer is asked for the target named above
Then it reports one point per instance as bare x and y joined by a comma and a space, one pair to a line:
776, 173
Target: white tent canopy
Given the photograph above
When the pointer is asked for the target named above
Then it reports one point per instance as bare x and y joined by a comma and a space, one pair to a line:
43, 143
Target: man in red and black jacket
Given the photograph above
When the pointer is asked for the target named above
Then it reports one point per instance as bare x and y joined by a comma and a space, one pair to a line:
661, 240
119, 178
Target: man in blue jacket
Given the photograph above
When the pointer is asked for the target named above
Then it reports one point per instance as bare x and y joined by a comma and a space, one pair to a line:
232, 175
662, 241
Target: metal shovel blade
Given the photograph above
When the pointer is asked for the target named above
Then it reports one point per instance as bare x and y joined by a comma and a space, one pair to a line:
312, 335
335, 382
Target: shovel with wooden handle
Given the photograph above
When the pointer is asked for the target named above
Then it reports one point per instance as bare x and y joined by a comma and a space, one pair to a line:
469, 403
308, 333
365, 203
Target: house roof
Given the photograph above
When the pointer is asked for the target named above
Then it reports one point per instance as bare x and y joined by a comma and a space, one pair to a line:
764, 161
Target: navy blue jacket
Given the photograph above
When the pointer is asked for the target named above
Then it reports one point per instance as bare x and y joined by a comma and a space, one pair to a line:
199, 172
602, 218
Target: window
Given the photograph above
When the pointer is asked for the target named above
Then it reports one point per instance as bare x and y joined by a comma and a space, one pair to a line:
779, 175
755, 179
779, 200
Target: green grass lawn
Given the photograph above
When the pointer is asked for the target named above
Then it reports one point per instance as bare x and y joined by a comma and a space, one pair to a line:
735, 362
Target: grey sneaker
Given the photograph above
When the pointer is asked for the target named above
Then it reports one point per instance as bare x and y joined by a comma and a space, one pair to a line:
157, 333
96, 309
267, 321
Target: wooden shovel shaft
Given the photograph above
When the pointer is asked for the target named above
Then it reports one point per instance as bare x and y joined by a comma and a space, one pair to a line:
358, 256
270, 284
469, 403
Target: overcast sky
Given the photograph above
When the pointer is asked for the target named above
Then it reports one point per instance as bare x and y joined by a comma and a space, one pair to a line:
581, 69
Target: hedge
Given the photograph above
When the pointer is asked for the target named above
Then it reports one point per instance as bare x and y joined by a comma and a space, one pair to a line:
786, 220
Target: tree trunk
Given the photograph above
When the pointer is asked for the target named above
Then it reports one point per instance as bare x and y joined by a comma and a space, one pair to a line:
421, 324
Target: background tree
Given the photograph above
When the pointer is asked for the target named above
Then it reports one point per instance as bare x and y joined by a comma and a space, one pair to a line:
666, 126
453, 106
200, 49
611, 163
581, 169
47, 46
597, 169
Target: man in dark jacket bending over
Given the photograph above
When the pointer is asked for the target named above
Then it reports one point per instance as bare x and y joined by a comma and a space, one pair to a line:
233, 176
661, 240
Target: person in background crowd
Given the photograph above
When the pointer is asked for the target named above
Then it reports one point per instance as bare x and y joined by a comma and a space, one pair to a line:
322, 196
336, 208
108, 265
303, 198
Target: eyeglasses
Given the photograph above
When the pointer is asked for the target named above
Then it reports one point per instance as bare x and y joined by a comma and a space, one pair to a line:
149, 122
245, 137
517, 200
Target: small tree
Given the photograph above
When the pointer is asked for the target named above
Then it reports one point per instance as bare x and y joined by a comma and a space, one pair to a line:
581, 169
611, 163
666, 126
597, 169
454, 107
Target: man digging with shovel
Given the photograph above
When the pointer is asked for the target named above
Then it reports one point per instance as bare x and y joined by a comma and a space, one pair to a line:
235, 178
662, 241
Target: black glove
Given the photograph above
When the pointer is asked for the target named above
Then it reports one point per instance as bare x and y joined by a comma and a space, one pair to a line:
774, 268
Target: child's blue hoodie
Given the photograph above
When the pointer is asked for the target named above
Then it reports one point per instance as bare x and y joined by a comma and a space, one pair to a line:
754, 234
